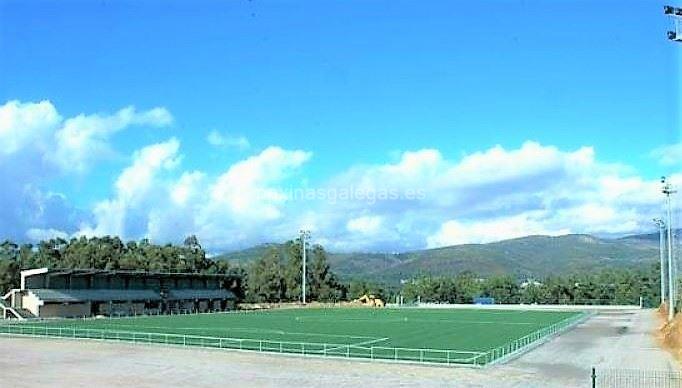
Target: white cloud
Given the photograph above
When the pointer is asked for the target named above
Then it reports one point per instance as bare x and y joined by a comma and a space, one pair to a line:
136, 192
423, 198
364, 225
37, 234
246, 188
536, 190
156, 117
38, 146
84, 138
186, 187
454, 232
669, 155
217, 139
137, 179
70, 144
492, 195
228, 209
26, 125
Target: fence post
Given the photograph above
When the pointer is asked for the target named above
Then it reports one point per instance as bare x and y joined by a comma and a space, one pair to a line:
594, 377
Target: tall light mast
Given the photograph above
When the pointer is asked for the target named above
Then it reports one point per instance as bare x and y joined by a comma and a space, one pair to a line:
661, 248
676, 15
668, 190
675, 35
305, 235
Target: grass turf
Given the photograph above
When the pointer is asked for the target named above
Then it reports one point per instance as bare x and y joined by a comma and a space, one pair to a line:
467, 333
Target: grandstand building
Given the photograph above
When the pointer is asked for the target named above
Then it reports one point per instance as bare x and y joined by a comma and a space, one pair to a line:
49, 293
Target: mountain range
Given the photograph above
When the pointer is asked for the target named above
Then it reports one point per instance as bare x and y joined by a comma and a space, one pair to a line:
530, 256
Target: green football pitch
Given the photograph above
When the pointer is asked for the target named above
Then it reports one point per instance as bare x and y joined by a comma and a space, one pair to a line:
453, 336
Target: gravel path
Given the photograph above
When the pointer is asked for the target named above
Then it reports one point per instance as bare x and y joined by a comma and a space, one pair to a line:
610, 339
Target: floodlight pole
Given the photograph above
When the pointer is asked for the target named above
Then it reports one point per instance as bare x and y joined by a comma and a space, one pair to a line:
675, 14
305, 234
672, 283
674, 35
661, 248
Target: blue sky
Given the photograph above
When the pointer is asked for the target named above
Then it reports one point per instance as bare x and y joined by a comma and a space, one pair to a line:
356, 86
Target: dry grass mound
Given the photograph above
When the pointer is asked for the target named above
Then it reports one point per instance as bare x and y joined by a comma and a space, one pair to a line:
670, 333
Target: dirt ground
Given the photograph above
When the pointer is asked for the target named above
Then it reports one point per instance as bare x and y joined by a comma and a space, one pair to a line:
620, 339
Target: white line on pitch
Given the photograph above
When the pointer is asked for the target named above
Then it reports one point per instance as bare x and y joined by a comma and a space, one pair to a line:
359, 344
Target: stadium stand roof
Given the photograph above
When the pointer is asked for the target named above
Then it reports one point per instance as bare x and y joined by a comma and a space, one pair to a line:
89, 272
73, 296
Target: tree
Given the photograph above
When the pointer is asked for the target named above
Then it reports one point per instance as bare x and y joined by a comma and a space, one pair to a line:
323, 284
468, 287
534, 293
293, 272
9, 266
609, 286
266, 283
503, 288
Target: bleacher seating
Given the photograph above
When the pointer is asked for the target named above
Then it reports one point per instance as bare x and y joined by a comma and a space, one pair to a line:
200, 294
52, 293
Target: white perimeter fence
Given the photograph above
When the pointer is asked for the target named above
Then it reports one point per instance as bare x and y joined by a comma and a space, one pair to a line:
427, 356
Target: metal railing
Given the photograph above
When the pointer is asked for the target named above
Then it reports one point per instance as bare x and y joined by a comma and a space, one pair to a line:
418, 355
437, 356
520, 345
626, 378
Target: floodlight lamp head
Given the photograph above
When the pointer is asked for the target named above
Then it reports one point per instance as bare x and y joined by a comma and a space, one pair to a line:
668, 10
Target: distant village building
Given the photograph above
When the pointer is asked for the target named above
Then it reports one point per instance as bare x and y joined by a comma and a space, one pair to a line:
530, 282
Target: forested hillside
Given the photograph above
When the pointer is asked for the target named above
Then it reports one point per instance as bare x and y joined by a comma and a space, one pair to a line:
532, 256
535, 269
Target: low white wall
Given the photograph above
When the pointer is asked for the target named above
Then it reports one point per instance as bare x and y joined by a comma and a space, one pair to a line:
59, 310
565, 307
30, 302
